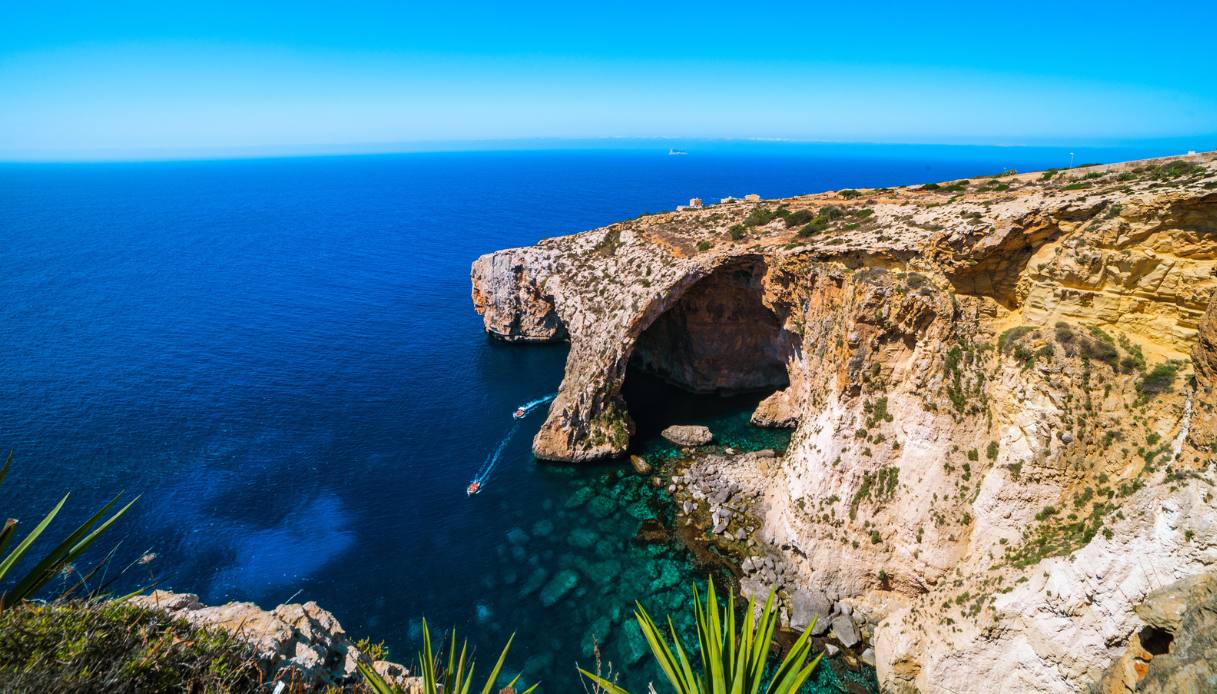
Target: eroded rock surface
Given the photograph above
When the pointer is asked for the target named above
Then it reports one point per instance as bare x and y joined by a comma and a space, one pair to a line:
297, 642
998, 449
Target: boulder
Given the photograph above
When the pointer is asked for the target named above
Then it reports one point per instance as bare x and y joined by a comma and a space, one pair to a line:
845, 631
868, 656
688, 435
806, 605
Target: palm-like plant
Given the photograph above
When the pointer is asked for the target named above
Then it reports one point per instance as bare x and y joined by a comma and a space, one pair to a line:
732, 660
456, 677
57, 559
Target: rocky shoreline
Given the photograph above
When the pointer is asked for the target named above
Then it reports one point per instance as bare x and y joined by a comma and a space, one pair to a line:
718, 495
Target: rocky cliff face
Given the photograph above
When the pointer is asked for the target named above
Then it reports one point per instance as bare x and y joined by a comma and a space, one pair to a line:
1000, 447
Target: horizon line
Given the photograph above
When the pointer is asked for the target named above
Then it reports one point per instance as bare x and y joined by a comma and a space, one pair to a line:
1197, 143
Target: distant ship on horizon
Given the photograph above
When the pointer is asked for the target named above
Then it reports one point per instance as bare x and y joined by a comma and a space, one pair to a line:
676, 153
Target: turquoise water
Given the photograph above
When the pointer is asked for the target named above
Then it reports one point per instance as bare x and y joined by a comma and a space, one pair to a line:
281, 357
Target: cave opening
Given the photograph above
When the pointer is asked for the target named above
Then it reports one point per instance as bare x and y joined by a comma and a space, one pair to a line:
1156, 640
716, 352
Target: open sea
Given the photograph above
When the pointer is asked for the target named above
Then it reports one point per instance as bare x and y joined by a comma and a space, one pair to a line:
280, 356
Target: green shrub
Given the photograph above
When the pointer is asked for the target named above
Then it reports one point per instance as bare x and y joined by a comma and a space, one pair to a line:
849, 193
115, 647
807, 230
831, 213
703, 246
991, 451
930, 186
760, 216
1047, 175
1063, 332
1159, 380
1010, 337
736, 232
798, 218
1134, 360
1100, 346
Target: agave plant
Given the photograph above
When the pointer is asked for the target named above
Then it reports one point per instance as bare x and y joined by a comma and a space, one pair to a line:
57, 559
454, 677
732, 660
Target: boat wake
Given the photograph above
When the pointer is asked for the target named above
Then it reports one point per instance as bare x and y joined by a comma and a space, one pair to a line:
483, 474
524, 410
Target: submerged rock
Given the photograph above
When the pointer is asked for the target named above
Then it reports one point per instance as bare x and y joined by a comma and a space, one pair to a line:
596, 635
534, 582
562, 583
635, 643
688, 435
582, 537
640, 464
602, 507
651, 532
579, 497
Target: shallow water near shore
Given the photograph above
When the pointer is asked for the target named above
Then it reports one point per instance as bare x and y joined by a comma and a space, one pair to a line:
281, 357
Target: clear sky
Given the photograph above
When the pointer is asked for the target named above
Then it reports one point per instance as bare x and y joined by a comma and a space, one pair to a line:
131, 79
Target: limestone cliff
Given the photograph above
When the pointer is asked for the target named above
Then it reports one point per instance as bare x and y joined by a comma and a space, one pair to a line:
1000, 446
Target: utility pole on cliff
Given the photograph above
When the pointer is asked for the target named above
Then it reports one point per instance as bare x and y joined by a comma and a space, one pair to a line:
1071, 160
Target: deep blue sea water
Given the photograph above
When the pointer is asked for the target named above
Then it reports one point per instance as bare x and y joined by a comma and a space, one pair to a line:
280, 356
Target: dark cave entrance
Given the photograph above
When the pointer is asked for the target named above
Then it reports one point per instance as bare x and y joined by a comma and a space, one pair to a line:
1155, 640
716, 351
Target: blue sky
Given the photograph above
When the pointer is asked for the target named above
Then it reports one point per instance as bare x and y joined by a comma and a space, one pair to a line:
131, 79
